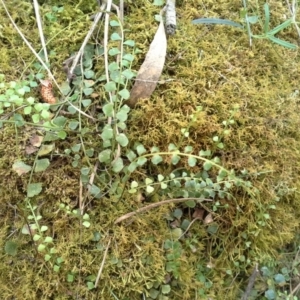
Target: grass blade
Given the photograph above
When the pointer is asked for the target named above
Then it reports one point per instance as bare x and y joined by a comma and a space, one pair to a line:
267, 17
280, 27
283, 43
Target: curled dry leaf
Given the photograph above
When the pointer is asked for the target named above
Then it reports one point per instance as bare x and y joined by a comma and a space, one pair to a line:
36, 140
208, 219
151, 68
175, 224
198, 213
47, 91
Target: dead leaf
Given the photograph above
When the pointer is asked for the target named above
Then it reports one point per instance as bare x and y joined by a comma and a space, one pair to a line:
140, 197
94, 95
27, 229
208, 219
168, 278
88, 83
46, 149
21, 168
151, 69
36, 140
175, 224
198, 213
30, 149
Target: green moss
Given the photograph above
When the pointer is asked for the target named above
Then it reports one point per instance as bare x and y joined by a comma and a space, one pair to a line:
212, 67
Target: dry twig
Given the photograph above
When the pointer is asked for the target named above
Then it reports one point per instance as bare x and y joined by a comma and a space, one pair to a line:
88, 36
251, 283
145, 208
102, 264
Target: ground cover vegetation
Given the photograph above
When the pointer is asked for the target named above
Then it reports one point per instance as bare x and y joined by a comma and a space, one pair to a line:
184, 196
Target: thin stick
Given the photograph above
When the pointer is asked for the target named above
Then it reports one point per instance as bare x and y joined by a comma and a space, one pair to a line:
102, 264
295, 289
122, 11
40, 28
91, 181
188, 228
293, 11
88, 36
80, 197
251, 282
105, 44
298, 285
28, 44
145, 208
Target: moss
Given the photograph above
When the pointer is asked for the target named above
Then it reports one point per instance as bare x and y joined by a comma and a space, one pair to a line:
210, 66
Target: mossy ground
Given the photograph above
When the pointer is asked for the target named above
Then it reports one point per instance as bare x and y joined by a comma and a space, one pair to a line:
212, 67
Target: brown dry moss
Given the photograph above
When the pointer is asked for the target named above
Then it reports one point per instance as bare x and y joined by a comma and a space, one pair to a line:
212, 67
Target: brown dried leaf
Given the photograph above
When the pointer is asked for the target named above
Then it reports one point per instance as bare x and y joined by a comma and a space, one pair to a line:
198, 213
168, 278
151, 68
175, 224
36, 140
30, 149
